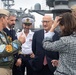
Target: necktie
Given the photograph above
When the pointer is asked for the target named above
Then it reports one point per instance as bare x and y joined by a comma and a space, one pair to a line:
45, 61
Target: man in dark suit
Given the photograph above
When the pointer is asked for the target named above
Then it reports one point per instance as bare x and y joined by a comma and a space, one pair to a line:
9, 28
39, 64
12, 36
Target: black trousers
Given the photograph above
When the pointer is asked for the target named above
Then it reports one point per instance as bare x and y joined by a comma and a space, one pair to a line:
44, 71
26, 64
16, 70
21, 70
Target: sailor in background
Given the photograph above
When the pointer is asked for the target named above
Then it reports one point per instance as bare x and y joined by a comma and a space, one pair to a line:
26, 47
10, 27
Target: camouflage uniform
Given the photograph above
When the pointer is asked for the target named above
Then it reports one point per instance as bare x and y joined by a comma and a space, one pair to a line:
7, 49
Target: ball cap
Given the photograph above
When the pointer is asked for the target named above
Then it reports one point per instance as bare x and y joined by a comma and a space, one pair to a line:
5, 12
27, 21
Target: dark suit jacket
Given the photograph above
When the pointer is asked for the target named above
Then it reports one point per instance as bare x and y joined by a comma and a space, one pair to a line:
11, 33
39, 52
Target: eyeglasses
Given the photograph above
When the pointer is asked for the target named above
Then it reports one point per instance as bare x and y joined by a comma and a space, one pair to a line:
45, 21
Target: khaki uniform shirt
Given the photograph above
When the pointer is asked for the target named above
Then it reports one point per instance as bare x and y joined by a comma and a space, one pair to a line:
7, 49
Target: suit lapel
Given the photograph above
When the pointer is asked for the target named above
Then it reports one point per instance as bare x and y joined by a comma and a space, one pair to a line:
42, 35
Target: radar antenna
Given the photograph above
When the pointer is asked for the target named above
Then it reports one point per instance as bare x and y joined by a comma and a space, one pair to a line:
8, 3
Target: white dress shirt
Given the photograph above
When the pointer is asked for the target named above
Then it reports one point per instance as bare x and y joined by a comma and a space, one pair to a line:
27, 46
49, 34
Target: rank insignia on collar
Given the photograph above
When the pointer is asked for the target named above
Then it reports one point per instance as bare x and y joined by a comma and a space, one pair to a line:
9, 48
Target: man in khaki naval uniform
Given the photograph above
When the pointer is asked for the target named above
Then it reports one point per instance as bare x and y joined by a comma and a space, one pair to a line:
7, 48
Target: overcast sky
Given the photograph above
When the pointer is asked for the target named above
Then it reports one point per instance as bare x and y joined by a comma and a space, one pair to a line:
27, 3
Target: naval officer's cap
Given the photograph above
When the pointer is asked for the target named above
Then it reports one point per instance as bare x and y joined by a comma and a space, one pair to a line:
5, 12
27, 21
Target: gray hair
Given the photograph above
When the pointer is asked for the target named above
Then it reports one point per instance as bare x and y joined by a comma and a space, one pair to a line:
12, 14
